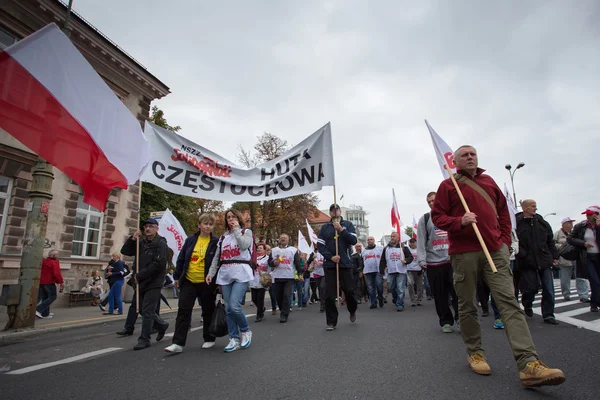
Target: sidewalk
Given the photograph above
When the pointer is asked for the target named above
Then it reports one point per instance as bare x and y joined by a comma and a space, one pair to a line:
66, 319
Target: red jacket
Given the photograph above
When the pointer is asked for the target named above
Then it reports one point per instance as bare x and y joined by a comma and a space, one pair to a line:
50, 272
447, 213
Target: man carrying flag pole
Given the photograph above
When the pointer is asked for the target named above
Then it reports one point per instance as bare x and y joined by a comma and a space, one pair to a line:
470, 260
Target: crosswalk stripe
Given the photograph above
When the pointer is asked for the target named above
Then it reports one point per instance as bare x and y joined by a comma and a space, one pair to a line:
60, 362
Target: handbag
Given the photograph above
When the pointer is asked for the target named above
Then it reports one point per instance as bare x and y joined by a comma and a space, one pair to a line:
265, 280
218, 323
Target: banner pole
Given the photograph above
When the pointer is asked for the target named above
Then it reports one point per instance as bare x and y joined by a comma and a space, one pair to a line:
474, 225
337, 251
137, 254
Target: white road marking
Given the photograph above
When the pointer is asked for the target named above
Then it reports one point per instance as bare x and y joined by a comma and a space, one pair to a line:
65, 361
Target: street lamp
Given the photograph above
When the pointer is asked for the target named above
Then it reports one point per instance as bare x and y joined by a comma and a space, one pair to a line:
549, 214
511, 172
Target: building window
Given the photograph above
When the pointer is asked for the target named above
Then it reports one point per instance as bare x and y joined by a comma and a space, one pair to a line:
6, 39
88, 231
5, 191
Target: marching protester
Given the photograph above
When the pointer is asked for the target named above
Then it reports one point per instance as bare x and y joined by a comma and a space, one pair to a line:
116, 279
414, 275
432, 250
371, 257
319, 275
153, 253
231, 265
195, 257
335, 241
585, 238
256, 287
49, 278
358, 272
284, 262
272, 287
489, 211
395, 257
150, 277
567, 267
537, 254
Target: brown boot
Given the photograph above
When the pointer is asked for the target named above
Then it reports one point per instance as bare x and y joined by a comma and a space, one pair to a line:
274, 312
479, 365
536, 374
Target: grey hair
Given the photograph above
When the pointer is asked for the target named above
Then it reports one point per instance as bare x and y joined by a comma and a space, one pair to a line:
465, 146
53, 251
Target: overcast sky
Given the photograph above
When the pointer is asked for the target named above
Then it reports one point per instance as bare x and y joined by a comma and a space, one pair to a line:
518, 80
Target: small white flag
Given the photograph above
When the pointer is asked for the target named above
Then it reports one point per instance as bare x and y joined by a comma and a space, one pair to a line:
444, 153
303, 245
170, 228
512, 209
311, 234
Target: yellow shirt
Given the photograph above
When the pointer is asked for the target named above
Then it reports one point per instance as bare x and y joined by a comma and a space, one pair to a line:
195, 270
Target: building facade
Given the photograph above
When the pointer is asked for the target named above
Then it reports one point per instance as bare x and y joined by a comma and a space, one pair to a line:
357, 215
84, 236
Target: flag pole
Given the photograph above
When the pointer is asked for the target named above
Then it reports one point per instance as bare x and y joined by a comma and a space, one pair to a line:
137, 254
474, 225
337, 251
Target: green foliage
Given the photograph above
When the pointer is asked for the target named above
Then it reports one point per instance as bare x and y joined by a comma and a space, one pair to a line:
409, 231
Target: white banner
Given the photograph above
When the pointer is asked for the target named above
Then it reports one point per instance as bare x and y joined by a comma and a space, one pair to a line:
311, 233
444, 153
170, 228
303, 245
184, 167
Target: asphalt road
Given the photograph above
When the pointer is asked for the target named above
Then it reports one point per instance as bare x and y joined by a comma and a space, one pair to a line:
384, 355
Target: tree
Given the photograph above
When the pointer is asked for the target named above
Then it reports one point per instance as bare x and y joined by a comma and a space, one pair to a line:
186, 209
409, 231
270, 218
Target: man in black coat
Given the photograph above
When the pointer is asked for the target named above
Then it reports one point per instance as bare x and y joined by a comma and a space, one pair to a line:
151, 275
537, 254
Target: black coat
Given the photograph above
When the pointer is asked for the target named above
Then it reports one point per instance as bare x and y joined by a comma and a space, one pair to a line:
185, 255
537, 249
576, 239
358, 261
346, 239
153, 261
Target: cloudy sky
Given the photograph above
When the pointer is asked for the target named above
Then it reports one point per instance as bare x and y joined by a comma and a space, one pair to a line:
519, 80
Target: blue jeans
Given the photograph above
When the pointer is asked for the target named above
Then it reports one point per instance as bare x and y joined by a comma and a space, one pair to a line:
46, 296
306, 292
272, 296
593, 264
397, 285
114, 296
236, 319
546, 278
299, 287
375, 284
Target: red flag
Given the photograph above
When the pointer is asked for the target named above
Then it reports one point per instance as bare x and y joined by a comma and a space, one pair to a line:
53, 102
395, 215
415, 227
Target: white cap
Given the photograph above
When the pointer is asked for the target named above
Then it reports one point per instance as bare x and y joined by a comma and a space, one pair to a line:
566, 219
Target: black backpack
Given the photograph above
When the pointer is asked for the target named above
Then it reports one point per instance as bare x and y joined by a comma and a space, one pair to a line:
568, 252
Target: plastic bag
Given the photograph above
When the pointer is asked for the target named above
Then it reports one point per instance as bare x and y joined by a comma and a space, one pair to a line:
218, 324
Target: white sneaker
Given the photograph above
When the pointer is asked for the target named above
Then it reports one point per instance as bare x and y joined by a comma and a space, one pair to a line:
246, 339
51, 314
208, 345
38, 314
234, 344
174, 348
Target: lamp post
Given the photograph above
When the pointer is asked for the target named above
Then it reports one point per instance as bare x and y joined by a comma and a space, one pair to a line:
511, 172
549, 214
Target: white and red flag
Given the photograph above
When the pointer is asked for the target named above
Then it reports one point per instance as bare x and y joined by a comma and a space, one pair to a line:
170, 228
415, 227
56, 104
512, 208
311, 233
444, 153
303, 245
396, 215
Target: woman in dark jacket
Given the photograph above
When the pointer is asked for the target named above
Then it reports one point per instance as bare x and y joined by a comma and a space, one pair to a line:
584, 236
115, 274
193, 263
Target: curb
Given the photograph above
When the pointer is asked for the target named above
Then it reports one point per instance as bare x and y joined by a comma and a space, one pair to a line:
10, 337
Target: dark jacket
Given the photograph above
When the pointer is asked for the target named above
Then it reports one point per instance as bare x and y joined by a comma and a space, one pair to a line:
185, 255
118, 271
408, 257
358, 262
346, 239
153, 261
576, 239
536, 243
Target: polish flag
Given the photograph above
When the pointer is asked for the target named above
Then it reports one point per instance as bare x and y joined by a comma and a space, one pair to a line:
311, 233
444, 153
415, 227
512, 208
396, 215
53, 102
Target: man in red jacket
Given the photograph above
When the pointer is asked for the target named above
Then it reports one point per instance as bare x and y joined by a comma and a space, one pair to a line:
490, 212
49, 277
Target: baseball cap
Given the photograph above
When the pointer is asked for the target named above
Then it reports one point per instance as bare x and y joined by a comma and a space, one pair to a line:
334, 206
150, 221
566, 219
592, 210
